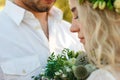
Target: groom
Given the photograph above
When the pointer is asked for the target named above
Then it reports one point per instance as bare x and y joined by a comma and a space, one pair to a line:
29, 31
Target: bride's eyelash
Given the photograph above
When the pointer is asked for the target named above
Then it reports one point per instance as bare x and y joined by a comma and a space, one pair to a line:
76, 17
73, 9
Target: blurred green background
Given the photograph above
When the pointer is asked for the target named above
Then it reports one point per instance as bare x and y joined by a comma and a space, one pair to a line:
62, 4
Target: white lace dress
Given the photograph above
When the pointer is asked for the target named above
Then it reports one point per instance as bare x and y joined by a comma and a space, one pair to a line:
101, 74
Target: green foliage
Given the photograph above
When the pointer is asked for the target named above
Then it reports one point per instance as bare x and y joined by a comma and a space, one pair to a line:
68, 65
54, 65
58, 65
101, 4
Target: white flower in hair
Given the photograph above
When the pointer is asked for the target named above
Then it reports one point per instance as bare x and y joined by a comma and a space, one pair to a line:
117, 5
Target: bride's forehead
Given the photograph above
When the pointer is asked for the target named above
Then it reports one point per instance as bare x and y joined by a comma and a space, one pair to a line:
72, 3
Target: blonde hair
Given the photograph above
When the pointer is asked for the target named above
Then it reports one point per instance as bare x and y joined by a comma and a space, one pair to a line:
102, 32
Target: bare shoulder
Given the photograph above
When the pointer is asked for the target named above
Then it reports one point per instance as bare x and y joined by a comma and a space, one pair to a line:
101, 74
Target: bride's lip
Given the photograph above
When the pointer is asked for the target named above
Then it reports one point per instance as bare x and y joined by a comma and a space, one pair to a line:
82, 39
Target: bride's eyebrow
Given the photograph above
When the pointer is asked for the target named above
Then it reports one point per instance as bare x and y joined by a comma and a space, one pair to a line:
73, 9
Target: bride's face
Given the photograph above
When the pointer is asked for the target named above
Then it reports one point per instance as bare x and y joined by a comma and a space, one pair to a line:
39, 5
76, 25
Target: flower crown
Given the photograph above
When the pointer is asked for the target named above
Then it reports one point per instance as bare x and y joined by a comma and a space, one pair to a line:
102, 4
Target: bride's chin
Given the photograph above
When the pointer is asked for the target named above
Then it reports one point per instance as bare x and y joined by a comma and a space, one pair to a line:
82, 41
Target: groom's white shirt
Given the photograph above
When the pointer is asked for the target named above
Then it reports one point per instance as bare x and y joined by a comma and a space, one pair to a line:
24, 48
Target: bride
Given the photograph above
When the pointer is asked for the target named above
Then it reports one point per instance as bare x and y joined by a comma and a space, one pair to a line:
100, 31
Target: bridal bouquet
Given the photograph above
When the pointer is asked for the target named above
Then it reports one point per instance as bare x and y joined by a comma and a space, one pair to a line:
68, 65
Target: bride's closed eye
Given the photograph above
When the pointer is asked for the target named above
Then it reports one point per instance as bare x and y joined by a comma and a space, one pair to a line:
74, 12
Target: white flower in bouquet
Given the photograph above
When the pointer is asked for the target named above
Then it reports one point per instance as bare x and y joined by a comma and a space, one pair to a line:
57, 73
68, 69
68, 65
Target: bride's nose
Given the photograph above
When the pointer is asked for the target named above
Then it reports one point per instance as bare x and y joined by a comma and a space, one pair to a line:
75, 26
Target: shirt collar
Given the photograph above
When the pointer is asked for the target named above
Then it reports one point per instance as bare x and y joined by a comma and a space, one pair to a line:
15, 12
56, 13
